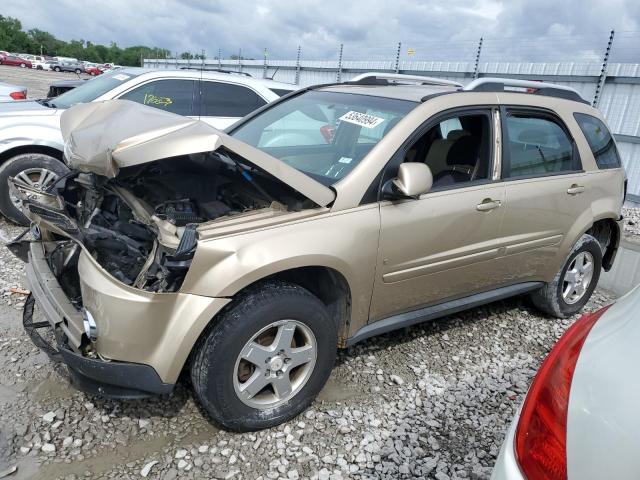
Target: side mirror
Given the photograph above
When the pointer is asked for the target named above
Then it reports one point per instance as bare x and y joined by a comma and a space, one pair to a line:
414, 179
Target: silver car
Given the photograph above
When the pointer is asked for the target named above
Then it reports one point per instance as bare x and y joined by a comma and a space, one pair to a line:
580, 418
10, 93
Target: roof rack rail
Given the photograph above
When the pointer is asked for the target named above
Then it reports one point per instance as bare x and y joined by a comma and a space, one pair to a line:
379, 78
219, 70
491, 84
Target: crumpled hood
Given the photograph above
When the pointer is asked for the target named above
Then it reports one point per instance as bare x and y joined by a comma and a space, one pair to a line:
102, 137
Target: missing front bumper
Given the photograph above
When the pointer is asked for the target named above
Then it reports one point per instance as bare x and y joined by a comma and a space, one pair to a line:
122, 380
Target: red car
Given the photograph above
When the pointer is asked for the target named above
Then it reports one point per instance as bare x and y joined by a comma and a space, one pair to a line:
15, 61
93, 71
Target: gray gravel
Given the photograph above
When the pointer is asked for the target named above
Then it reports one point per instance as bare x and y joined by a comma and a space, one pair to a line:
631, 221
429, 402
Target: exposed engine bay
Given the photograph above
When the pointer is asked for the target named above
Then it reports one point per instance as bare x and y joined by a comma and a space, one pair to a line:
141, 226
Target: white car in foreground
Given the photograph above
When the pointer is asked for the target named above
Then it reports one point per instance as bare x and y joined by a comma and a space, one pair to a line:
580, 419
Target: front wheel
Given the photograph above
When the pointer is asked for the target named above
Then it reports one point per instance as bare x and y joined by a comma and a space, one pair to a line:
32, 169
266, 358
22, 65
572, 287
57, 69
78, 71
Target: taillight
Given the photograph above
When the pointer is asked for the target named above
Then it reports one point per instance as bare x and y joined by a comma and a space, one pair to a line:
541, 435
18, 95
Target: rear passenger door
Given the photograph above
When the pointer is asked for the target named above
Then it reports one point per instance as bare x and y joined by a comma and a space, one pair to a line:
223, 104
545, 193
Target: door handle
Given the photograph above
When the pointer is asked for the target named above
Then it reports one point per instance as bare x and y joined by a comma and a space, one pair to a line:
575, 189
488, 204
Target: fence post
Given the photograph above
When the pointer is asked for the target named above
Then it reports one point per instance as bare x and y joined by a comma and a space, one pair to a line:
603, 72
476, 67
202, 58
298, 67
264, 66
240, 60
339, 74
397, 68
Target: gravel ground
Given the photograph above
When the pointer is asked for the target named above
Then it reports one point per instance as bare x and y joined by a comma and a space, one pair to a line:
632, 221
36, 81
428, 402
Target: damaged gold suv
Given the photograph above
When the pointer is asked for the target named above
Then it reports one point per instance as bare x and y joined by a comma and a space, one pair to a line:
339, 212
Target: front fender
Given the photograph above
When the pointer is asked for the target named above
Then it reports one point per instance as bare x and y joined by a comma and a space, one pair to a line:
27, 134
345, 241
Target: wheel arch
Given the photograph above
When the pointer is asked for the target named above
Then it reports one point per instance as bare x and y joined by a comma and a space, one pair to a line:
607, 232
31, 148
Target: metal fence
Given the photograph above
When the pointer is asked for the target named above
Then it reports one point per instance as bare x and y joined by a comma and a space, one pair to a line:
613, 87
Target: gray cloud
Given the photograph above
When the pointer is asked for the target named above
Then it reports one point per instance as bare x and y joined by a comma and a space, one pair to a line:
443, 31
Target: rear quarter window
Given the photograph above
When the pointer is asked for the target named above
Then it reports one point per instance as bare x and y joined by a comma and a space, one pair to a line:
600, 140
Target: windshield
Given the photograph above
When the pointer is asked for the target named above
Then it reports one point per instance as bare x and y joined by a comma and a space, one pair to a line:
323, 134
91, 89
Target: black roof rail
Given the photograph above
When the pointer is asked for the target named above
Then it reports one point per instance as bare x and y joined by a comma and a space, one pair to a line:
219, 70
490, 84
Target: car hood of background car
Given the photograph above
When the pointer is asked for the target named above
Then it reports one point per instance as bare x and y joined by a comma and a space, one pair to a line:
102, 137
25, 108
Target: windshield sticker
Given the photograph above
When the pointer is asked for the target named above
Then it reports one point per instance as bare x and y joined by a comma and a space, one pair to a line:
362, 119
150, 99
121, 77
345, 160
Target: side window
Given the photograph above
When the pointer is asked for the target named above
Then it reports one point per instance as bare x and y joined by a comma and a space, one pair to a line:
536, 145
600, 140
457, 149
227, 100
175, 96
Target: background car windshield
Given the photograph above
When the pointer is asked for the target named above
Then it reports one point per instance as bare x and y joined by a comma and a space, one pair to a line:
92, 89
323, 134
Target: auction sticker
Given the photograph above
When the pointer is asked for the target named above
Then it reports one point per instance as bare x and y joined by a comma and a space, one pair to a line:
362, 119
121, 77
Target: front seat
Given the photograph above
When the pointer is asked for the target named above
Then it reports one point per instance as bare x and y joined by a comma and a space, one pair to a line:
462, 161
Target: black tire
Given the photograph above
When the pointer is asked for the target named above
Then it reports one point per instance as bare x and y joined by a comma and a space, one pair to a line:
22, 65
13, 167
220, 345
549, 298
56, 69
78, 71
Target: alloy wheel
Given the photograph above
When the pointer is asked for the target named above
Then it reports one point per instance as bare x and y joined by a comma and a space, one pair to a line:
275, 364
40, 178
577, 278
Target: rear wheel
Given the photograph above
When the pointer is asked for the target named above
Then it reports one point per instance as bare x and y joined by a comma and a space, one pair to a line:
572, 287
78, 71
266, 358
36, 170
23, 65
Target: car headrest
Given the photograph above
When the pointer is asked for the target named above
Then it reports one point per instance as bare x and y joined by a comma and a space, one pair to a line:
464, 151
456, 134
534, 136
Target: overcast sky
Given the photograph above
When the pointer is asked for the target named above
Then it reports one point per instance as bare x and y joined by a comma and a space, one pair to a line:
437, 30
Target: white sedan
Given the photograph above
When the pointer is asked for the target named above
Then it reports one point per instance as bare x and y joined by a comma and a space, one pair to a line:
580, 419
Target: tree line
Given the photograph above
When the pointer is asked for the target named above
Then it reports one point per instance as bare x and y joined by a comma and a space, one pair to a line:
14, 39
